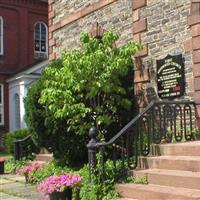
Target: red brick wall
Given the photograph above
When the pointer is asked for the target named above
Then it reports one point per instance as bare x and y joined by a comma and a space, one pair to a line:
193, 45
19, 19
141, 76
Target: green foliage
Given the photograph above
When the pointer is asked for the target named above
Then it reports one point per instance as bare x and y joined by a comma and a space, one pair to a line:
92, 85
196, 134
12, 136
140, 180
12, 166
104, 191
98, 189
37, 118
47, 170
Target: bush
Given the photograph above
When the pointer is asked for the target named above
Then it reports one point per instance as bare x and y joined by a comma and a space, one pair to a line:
11, 166
52, 133
14, 135
89, 86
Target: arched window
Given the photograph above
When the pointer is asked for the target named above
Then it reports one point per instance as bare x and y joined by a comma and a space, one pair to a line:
41, 40
17, 112
1, 35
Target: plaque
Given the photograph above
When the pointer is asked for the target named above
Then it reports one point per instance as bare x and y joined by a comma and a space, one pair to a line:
170, 77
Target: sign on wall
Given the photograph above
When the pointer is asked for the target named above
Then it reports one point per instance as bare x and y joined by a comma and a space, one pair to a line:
170, 77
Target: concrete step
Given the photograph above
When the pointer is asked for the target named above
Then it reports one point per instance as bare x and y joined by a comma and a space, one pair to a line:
185, 163
153, 192
181, 149
186, 179
44, 157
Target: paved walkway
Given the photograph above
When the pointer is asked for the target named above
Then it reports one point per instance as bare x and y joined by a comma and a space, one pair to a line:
13, 187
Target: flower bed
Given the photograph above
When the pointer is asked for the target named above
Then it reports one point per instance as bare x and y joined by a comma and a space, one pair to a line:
27, 169
60, 183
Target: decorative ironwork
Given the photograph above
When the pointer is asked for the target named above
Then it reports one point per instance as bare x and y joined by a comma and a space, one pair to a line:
160, 122
24, 147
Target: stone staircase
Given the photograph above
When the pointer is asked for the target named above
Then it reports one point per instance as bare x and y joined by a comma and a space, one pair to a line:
173, 172
44, 156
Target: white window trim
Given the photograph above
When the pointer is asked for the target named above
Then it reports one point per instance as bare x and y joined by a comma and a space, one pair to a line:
47, 47
2, 36
2, 103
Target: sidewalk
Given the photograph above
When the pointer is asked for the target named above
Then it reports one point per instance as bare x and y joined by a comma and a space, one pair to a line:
13, 187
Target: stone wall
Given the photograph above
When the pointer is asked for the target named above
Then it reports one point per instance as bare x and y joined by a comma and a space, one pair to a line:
66, 27
163, 26
167, 30
65, 8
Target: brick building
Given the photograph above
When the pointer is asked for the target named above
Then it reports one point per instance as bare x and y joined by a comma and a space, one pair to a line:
23, 42
163, 26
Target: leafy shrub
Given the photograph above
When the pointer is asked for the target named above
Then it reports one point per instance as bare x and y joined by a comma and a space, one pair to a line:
52, 133
29, 168
47, 170
12, 166
90, 86
15, 135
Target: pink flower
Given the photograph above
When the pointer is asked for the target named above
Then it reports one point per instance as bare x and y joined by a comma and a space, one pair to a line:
27, 169
58, 183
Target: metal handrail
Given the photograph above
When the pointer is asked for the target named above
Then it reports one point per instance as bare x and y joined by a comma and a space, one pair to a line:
157, 122
137, 117
24, 139
21, 145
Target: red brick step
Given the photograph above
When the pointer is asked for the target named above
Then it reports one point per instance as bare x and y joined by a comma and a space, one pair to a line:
44, 157
175, 178
153, 192
184, 149
185, 163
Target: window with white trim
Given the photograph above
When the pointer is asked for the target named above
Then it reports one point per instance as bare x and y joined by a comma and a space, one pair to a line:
41, 40
1, 35
1, 105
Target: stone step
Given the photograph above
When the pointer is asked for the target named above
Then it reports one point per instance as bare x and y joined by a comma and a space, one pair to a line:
44, 157
181, 149
125, 199
186, 179
185, 163
153, 192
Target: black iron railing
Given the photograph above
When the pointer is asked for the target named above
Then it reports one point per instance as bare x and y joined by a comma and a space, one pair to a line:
160, 122
24, 148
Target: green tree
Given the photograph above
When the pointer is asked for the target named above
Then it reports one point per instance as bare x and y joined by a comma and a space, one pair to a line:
91, 85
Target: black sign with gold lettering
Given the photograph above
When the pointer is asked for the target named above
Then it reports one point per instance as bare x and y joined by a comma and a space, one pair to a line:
170, 77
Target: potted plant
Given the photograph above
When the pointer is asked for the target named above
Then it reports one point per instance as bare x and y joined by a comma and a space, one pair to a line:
2, 161
27, 169
59, 187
